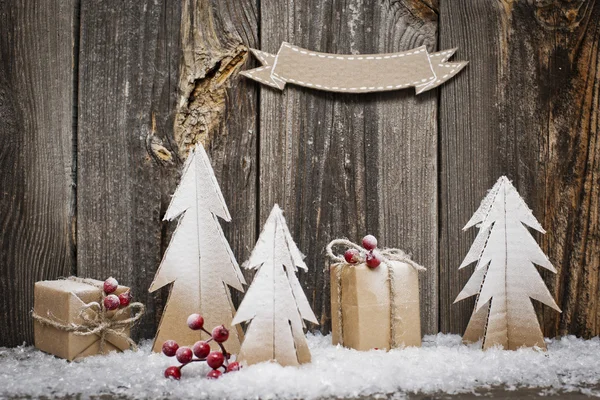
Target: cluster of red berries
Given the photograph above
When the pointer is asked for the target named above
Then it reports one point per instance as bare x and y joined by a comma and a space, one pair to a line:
371, 258
201, 350
112, 301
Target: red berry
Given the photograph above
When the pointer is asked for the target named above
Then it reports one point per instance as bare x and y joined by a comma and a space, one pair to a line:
201, 349
369, 242
215, 359
169, 348
214, 374
184, 355
110, 285
195, 322
111, 302
352, 256
173, 372
125, 298
373, 260
220, 334
234, 366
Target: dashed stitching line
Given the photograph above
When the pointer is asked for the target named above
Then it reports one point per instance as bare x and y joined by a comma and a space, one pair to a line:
351, 58
262, 56
443, 53
251, 75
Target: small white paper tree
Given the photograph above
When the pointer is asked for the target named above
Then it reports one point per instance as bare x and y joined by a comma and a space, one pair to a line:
275, 302
505, 277
198, 261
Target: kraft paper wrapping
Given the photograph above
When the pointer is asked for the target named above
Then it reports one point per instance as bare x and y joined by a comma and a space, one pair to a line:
62, 301
362, 295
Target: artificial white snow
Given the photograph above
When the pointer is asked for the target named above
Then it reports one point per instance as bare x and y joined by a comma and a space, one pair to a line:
443, 364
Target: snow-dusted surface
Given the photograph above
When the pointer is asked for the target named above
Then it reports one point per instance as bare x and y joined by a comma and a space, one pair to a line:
443, 364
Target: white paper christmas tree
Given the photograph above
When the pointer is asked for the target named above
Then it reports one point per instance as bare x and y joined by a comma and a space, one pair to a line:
505, 277
198, 261
275, 302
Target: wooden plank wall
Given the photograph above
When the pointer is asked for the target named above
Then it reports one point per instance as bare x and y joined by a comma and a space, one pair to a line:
36, 162
111, 96
165, 70
337, 164
528, 107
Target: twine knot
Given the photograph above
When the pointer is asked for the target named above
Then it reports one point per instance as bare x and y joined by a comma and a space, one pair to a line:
386, 255
101, 322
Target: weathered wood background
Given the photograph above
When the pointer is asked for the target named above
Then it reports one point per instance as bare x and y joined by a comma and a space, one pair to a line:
100, 99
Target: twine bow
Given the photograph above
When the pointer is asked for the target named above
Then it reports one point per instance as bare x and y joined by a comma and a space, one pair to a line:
386, 256
101, 323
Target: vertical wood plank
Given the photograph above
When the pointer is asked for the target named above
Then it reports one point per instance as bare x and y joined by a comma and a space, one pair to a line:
128, 69
36, 185
332, 161
406, 131
232, 142
533, 94
154, 79
469, 143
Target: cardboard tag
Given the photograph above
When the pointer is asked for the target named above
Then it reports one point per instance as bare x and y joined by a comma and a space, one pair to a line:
198, 262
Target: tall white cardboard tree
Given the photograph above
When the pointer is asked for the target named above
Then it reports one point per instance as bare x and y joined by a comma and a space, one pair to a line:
275, 303
505, 277
198, 261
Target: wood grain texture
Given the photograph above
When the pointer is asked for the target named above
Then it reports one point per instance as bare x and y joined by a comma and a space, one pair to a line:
469, 155
231, 140
36, 186
406, 128
341, 165
154, 79
533, 95
127, 162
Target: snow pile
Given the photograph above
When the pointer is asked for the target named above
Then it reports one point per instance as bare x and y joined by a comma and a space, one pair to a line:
443, 364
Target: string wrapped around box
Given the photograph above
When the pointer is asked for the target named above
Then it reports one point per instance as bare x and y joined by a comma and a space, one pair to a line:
374, 307
71, 322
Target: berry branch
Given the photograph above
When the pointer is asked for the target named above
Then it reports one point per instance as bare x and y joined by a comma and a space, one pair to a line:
201, 349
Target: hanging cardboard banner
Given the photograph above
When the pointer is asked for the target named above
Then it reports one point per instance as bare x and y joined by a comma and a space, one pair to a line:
354, 73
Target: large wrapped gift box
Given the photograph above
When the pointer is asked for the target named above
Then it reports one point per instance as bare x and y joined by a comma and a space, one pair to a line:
371, 308
62, 301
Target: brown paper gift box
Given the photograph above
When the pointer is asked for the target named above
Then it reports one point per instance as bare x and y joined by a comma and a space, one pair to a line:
360, 296
62, 301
